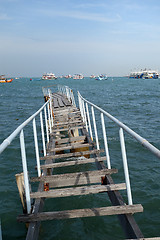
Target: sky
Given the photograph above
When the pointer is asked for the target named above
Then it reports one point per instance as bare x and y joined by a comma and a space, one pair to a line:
78, 36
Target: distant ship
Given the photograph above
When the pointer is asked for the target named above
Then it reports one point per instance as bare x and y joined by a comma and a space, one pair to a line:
49, 76
3, 79
78, 76
145, 74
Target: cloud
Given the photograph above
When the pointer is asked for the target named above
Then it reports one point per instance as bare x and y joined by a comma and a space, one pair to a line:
81, 15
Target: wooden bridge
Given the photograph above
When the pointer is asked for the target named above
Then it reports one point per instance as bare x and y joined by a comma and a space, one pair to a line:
69, 140
70, 144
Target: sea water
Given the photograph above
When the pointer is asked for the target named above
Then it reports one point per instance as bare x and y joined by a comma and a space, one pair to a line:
135, 102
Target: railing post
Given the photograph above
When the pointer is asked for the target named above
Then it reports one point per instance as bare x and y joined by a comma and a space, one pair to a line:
125, 166
50, 102
80, 106
89, 122
46, 123
95, 128
25, 172
105, 141
42, 132
85, 119
36, 147
49, 118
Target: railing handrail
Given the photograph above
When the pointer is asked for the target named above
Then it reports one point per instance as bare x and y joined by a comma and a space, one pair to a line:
140, 139
9, 139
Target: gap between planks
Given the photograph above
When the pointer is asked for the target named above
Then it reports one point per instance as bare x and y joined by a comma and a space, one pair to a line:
74, 154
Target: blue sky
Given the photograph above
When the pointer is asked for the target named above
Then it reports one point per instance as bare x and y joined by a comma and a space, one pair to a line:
78, 36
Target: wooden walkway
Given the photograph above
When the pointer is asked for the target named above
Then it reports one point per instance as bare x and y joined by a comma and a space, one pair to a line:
68, 141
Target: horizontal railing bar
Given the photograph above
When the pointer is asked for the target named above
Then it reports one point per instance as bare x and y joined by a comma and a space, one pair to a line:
140, 139
8, 140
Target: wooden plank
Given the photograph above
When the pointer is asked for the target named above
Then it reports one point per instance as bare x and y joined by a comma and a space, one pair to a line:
75, 154
78, 213
61, 104
84, 190
77, 175
67, 129
55, 103
66, 102
67, 122
70, 139
72, 163
70, 146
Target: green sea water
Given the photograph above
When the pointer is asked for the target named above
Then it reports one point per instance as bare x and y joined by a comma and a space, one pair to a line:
135, 102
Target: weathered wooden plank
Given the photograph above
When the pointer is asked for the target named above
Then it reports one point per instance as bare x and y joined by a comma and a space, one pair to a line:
66, 129
84, 190
77, 175
73, 163
55, 103
61, 104
66, 102
70, 121
78, 213
70, 146
70, 139
75, 154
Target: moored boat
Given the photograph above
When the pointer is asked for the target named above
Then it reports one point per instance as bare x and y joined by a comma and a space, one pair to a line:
49, 76
102, 77
3, 79
78, 76
68, 76
145, 74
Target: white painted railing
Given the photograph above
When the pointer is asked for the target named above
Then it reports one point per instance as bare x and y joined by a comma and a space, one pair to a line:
68, 92
84, 108
46, 112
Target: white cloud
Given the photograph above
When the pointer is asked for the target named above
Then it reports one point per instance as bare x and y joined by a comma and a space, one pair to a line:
81, 15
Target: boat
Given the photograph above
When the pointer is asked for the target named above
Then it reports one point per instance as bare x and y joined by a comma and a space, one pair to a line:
68, 76
148, 74
145, 74
102, 77
92, 76
49, 76
3, 79
78, 76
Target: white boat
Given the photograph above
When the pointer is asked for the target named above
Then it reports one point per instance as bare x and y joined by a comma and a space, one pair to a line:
78, 76
49, 76
68, 76
102, 77
145, 74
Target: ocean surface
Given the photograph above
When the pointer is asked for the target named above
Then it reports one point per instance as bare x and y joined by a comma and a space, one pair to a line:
135, 102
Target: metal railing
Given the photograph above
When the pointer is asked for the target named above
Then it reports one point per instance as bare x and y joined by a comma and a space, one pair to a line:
44, 112
68, 92
83, 106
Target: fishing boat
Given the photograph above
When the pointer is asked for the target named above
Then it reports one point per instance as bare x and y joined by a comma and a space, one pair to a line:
3, 79
49, 76
78, 76
102, 77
